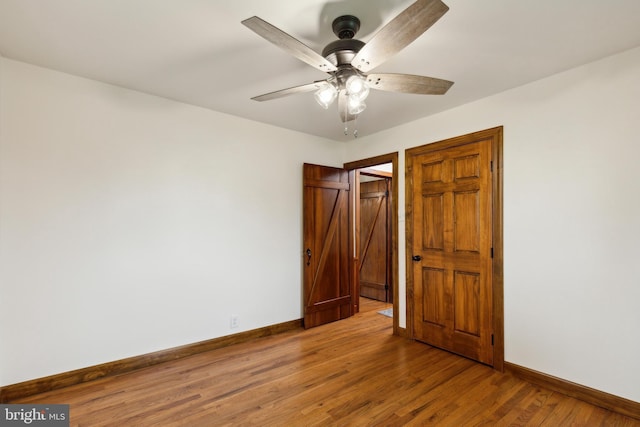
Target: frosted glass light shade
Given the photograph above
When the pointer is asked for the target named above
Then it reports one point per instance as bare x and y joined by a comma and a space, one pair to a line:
357, 86
355, 105
326, 95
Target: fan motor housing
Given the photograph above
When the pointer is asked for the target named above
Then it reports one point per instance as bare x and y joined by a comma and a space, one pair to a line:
342, 52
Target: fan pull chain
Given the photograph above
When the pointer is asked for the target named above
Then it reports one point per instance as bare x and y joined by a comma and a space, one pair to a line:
355, 130
355, 125
346, 123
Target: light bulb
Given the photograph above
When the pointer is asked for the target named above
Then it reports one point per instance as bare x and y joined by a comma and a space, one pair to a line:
357, 86
355, 105
326, 95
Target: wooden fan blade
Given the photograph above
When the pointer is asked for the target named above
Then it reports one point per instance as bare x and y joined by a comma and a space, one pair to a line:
290, 91
343, 108
407, 83
399, 33
288, 43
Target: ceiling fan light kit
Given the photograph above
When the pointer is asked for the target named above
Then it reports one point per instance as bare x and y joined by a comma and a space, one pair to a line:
348, 60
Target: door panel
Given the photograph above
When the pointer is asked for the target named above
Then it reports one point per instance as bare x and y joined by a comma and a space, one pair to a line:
466, 217
374, 236
467, 303
435, 297
327, 291
452, 226
433, 220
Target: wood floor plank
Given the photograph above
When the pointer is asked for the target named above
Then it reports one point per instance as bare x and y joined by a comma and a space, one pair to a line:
348, 373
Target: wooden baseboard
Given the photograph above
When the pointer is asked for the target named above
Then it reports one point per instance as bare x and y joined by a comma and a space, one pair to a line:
401, 332
54, 382
595, 397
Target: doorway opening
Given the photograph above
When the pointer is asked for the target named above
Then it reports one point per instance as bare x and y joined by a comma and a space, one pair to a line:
375, 232
374, 236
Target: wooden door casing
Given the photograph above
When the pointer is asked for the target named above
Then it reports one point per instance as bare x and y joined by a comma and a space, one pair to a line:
453, 229
374, 240
354, 169
327, 289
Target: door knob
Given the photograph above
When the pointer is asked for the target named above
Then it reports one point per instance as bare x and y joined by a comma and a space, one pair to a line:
416, 258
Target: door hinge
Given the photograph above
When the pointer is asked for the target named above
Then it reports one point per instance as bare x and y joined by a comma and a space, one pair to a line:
491, 339
491, 165
491, 252
386, 193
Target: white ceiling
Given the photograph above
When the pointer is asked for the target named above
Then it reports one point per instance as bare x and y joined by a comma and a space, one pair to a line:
197, 52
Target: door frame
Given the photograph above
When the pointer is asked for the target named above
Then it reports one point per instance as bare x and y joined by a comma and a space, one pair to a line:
354, 232
496, 135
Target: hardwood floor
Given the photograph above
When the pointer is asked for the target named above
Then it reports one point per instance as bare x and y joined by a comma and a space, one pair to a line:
348, 373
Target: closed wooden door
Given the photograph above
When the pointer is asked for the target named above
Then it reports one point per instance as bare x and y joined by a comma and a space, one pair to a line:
451, 253
375, 255
327, 290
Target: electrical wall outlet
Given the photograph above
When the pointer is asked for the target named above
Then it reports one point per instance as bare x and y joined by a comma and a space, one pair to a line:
234, 321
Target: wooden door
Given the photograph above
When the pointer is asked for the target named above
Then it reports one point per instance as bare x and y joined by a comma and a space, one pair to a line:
327, 291
451, 253
374, 240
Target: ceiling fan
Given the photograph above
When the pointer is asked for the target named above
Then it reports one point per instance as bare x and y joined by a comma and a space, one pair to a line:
348, 61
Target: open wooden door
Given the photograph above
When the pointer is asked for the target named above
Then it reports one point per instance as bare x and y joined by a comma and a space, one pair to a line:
327, 290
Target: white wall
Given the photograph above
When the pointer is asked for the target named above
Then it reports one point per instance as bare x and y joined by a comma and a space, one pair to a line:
571, 217
131, 223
